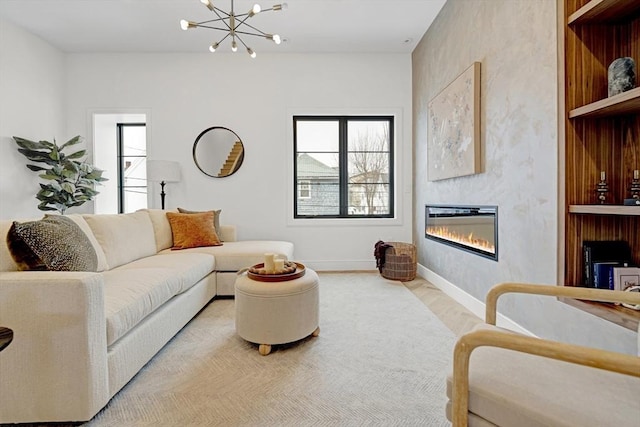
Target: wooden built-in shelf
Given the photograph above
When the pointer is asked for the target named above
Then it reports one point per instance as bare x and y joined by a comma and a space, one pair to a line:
617, 314
597, 133
604, 209
623, 103
604, 11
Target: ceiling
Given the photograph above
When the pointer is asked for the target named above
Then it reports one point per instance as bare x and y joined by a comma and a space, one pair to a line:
308, 26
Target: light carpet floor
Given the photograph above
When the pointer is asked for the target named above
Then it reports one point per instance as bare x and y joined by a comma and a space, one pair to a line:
380, 360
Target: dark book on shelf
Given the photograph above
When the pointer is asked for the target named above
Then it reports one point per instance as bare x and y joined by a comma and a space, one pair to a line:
603, 274
603, 251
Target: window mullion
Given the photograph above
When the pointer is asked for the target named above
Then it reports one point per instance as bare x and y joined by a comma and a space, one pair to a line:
344, 167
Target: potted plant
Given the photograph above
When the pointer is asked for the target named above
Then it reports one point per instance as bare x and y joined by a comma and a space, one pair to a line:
69, 181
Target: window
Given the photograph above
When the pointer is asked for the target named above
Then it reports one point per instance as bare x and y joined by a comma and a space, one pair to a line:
343, 166
132, 167
304, 189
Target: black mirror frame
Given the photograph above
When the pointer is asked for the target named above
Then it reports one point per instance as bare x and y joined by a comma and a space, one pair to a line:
195, 145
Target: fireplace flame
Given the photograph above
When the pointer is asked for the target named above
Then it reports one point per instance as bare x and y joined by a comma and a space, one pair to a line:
467, 240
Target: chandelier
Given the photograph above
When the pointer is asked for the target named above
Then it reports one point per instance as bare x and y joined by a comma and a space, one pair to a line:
234, 25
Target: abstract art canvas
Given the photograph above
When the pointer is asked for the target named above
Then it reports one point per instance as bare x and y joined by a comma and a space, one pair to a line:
453, 134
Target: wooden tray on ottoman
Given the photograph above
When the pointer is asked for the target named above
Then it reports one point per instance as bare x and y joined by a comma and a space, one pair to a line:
299, 272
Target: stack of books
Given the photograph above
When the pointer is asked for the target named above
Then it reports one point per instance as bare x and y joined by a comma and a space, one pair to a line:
608, 265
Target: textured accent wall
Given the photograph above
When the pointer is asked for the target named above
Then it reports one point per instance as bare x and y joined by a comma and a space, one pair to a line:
516, 42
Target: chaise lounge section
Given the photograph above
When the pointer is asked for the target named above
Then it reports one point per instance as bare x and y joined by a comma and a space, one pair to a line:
79, 337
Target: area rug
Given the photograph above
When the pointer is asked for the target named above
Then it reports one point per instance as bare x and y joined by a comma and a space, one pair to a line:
380, 360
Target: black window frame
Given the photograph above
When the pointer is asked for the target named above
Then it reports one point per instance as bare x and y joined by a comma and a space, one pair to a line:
121, 165
344, 164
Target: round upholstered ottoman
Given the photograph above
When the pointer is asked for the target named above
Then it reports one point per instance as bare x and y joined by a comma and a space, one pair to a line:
269, 313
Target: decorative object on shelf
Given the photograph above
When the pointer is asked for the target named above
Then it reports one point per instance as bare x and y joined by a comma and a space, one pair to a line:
163, 171
622, 75
635, 185
218, 152
70, 182
453, 130
602, 188
233, 25
632, 306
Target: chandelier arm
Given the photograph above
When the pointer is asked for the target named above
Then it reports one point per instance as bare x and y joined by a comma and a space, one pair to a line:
224, 38
254, 28
220, 18
251, 34
213, 28
241, 41
211, 20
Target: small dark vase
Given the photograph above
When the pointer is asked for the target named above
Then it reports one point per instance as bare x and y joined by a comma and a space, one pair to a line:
622, 75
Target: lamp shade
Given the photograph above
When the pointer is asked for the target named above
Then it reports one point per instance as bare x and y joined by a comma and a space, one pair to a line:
163, 170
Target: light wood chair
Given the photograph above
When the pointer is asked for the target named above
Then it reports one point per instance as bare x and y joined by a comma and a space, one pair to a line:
526, 381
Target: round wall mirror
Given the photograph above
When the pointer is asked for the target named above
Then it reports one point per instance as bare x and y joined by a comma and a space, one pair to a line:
218, 152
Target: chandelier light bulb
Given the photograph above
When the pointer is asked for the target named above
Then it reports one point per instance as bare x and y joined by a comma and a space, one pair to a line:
207, 3
282, 6
251, 52
184, 24
234, 46
276, 39
256, 8
213, 47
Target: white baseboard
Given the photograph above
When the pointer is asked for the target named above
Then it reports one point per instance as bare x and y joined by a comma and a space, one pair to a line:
340, 265
470, 302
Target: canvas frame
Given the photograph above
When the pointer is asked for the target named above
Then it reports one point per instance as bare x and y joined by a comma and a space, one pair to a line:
453, 128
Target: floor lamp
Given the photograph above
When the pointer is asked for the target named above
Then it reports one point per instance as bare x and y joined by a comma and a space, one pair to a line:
164, 171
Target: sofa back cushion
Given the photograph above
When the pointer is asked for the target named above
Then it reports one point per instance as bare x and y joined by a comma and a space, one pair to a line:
161, 227
82, 223
123, 237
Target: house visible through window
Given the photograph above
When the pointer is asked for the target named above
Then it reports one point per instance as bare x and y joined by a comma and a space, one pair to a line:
132, 167
343, 166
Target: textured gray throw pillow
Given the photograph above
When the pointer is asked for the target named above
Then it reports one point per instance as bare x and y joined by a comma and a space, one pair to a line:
54, 243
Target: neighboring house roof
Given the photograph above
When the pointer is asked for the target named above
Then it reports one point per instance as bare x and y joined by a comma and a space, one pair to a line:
308, 167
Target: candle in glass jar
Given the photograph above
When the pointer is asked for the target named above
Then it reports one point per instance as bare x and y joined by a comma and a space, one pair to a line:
602, 176
279, 265
268, 262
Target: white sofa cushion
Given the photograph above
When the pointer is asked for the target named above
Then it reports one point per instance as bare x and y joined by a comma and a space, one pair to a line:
190, 267
137, 289
84, 226
161, 227
123, 237
234, 256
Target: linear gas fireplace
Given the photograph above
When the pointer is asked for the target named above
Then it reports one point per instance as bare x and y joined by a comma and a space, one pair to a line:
470, 228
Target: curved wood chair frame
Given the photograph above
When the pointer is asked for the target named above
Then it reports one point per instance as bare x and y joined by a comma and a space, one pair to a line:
596, 358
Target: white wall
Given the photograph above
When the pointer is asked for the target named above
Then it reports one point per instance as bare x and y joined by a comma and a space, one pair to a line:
187, 93
32, 106
516, 42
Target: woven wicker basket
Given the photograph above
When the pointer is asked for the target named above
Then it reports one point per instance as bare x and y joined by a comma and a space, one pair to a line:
400, 262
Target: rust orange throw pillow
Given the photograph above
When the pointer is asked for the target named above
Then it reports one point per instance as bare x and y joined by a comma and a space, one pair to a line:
192, 230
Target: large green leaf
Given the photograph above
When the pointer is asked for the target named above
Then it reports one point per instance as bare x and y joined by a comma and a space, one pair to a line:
36, 168
36, 156
77, 154
49, 176
75, 140
68, 187
29, 145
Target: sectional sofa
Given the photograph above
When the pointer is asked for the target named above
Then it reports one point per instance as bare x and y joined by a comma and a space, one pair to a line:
79, 337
